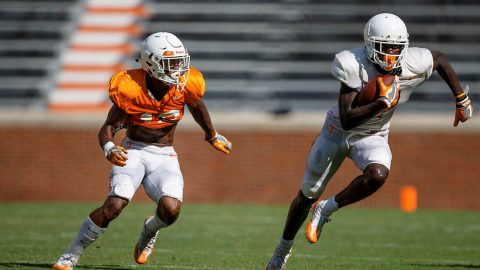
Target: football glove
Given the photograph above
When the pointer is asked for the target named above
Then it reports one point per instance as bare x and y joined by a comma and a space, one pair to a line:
464, 108
389, 94
221, 143
117, 155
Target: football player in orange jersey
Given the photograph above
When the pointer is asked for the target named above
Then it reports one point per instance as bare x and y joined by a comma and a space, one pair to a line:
148, 102
361, 132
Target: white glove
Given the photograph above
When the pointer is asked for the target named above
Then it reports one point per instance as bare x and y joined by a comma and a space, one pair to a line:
221, 143
116, 154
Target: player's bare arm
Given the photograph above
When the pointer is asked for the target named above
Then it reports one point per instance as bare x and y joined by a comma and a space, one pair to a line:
114, 120
199, 111
464, 109
352, 116
117, 155
446, 71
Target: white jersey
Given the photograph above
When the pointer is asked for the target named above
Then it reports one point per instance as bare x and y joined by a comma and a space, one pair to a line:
353, 68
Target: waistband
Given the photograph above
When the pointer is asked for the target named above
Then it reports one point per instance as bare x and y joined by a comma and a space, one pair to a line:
162, 150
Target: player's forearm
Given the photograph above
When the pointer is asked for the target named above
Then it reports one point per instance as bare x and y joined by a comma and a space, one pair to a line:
353, 117
446, 71
114, 120
204, 121
106, 134
200, 114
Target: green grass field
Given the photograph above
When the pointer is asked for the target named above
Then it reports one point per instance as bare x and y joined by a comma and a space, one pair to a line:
212, 237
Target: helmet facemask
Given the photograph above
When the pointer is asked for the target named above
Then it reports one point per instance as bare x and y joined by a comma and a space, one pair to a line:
171, 70
388, 55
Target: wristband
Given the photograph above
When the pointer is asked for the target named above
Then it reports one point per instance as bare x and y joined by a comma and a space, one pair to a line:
459, 96
214, 136
107, 147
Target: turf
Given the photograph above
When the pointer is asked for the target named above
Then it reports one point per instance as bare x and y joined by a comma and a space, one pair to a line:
210, 237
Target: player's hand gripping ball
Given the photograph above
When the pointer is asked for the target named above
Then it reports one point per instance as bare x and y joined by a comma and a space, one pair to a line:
384, 88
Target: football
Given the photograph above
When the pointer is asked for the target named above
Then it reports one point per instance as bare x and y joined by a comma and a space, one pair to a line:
369, 92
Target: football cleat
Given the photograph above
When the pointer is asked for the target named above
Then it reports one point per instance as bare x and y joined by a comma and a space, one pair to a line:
145, 245
65, 262
319, 217
279, 259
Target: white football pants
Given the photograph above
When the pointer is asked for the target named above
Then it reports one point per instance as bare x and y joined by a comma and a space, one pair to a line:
155, 167
330, 149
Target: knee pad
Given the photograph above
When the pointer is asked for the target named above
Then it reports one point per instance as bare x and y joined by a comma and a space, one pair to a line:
123, 190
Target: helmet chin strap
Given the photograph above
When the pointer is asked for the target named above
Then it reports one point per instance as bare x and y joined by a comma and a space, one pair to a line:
167, 80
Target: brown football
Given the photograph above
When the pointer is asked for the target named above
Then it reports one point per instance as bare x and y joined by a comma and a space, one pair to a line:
369, 92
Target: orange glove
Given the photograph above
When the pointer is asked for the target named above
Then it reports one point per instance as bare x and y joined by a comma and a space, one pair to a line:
117, 155
464, 109
221, 143
389, 94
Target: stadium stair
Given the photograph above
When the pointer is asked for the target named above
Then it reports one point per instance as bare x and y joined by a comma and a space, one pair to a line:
97, 49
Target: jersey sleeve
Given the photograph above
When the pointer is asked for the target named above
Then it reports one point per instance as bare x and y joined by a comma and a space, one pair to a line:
122, 89
113, 89
345, 69
420, 61
195, 87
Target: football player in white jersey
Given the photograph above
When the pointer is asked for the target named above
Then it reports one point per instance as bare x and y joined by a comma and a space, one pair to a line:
361, 132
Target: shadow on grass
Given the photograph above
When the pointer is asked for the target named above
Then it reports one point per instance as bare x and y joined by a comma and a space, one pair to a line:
15, 265
442, 265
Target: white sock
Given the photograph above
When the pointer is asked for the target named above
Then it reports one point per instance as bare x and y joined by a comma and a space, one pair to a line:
331, 205
153, 225
88, 233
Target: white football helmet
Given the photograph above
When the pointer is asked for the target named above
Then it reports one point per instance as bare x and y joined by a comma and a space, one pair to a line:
165, 58
386, 40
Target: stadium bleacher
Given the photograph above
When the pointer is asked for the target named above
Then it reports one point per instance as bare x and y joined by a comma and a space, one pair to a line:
276, 55
32, 33
256, 55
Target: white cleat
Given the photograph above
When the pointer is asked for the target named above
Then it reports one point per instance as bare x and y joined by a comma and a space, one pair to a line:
279, 259
65, 262
319, 217
145, 245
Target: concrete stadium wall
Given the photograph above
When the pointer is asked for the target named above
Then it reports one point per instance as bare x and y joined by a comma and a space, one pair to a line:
62, 163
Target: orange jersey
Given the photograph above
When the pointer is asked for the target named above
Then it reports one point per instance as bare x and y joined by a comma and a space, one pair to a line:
128, 90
